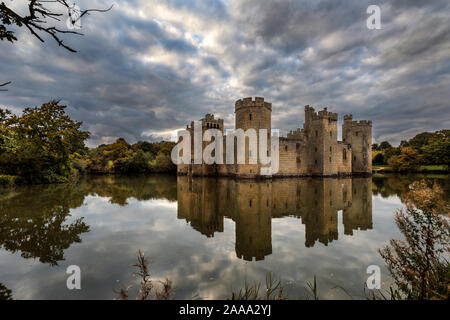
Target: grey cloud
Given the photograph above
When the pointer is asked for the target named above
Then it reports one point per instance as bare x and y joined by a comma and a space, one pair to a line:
292, 52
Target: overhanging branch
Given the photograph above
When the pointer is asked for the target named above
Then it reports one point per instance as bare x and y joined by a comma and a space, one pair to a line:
36, 21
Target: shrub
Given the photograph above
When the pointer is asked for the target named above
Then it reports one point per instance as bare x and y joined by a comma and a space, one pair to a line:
407, 160
378, 159
418, 263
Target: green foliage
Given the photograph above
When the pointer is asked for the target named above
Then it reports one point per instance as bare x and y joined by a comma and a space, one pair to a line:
44, 145
431, 148
420, 140
162, 163
437, 150
5, 293
378, 159
39, 145
408, 160
390, 153
142, 157
385, 145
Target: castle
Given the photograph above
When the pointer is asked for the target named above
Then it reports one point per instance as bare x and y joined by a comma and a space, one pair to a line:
254, 205
313, 150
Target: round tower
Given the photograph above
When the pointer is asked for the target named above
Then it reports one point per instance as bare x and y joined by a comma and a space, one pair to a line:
253, 114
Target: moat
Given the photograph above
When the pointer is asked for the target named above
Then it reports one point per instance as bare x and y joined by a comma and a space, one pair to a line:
208, 235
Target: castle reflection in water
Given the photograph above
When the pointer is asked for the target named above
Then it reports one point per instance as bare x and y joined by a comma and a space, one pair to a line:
205, 202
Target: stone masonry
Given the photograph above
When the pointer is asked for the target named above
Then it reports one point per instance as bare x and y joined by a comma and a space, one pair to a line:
313, 150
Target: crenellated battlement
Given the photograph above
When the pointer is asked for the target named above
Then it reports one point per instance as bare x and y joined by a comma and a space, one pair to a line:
348, 120
325, 114
365, 123
313, 150
249, 102
298, 134
311, 114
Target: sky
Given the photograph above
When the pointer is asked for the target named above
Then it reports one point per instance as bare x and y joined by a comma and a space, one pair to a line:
147, 68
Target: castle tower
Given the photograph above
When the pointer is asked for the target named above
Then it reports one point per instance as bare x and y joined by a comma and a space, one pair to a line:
208, 122
321, 134
252, 114
359, 135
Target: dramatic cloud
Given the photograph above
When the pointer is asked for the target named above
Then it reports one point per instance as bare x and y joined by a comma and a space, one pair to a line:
148, 67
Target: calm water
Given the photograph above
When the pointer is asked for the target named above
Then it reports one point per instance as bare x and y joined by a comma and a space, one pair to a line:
208, 236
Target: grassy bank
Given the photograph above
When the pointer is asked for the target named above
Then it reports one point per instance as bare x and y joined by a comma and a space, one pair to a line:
422, 169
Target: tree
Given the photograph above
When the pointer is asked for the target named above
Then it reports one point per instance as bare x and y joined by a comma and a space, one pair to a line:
38, 145
378, 159
420, 140
139, 162
4, 85
5, 293
437, 149
408, 160
390, 153
418, 264
385, 145
38, 18
163, 163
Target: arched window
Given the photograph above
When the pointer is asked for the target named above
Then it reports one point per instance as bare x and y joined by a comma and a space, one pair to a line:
250, 116
344, 154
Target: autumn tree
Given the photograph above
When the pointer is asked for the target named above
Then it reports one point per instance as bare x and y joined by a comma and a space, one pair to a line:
408, 160
39, 144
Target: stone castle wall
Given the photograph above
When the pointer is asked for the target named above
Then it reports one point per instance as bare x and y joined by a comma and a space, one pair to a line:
313, 150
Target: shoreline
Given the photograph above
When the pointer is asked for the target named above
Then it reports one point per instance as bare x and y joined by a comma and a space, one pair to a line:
8, 181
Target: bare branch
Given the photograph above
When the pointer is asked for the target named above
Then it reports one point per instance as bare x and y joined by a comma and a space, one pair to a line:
36, 21
4, 84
